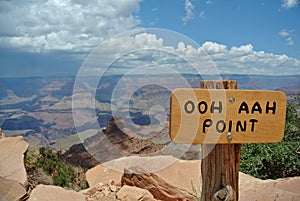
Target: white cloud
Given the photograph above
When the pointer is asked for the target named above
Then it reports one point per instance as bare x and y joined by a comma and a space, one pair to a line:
214, 48
245, 60
202, 14
73, 25
242, 50
189, 12
209, 2
284, 33
289, 41
232, 60
289, 3
287, 34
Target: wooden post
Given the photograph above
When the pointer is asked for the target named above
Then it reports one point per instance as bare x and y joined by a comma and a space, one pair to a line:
220, 167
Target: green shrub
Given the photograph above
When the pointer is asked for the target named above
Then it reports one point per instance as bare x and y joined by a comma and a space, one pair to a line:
63, 175
276, 160
271, 161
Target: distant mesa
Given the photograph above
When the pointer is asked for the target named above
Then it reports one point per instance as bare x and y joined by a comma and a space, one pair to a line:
111, 144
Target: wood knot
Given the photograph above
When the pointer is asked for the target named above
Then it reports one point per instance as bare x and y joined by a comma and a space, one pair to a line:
224, 194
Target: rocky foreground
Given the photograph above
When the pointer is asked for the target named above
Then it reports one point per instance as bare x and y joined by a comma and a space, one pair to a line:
181, 180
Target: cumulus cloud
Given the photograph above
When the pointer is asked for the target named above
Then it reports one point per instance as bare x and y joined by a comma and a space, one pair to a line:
287, 35
245, 60
72, 25
289, 3
214, 48
242, 59
189, 12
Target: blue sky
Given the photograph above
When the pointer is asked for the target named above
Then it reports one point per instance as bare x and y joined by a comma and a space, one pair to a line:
53, 37
232, 23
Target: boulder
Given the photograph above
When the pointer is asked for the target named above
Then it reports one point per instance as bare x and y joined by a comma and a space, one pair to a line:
288, 184
103, 192
159, 188
131, 193
11, 190
54, 193
11, 159
102, 174
269, 190
184, 174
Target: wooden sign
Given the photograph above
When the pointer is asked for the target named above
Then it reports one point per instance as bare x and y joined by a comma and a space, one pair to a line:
202, 116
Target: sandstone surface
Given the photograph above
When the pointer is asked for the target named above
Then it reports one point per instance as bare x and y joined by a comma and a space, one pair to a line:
12, 151
11, 190
158, 187
270, 190
131, 193
54, 193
